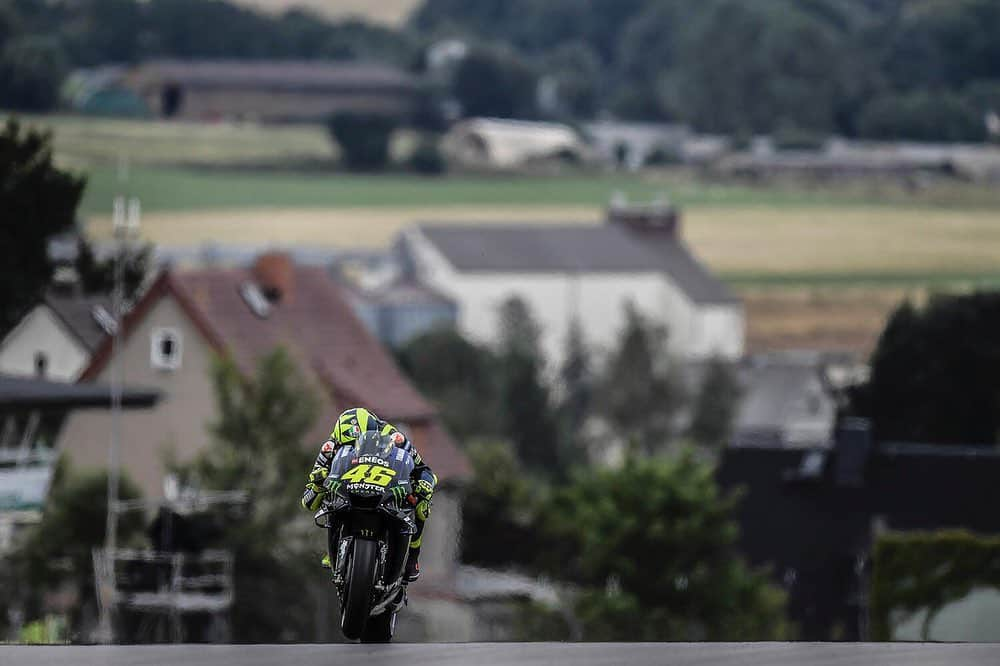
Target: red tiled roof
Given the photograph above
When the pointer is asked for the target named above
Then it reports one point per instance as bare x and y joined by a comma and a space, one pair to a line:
318, 327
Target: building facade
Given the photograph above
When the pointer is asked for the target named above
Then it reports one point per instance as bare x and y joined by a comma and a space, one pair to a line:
580, 273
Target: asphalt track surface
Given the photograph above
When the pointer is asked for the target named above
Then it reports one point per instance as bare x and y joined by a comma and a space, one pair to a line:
519, 654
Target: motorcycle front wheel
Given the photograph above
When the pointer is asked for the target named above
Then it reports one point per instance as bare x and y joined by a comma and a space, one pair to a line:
358, 593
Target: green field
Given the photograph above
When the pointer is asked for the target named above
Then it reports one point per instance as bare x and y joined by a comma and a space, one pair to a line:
186, 189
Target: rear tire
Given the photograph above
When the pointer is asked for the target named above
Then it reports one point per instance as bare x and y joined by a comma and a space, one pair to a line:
379, 628
359, 584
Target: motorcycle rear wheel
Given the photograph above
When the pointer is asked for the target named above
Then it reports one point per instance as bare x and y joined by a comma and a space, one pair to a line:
358, 595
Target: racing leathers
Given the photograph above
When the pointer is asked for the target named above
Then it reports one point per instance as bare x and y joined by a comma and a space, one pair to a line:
350, 425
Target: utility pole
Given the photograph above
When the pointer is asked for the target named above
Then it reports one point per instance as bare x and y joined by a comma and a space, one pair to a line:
125, 221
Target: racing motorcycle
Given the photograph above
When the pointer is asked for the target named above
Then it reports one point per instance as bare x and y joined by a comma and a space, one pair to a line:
370, 520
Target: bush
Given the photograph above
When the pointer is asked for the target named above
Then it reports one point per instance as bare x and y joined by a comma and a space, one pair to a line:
794, 138
663, 156
363, 138
427, 159
928, 571
922, 116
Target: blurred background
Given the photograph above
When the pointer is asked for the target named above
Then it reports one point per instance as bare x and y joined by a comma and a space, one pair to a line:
692, 307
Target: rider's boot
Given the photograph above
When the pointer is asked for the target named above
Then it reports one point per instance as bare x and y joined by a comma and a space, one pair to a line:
412, 570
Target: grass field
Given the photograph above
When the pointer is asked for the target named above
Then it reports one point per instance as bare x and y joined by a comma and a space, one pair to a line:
88, 144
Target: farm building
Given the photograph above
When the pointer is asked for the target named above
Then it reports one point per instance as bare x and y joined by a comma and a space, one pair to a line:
495, 143
580, 272
632, 145
265, 90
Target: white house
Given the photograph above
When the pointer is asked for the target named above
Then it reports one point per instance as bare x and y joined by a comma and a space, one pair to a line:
582, 272
56, 339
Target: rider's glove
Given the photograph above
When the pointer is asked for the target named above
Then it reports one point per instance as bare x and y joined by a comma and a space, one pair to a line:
423, 490
423, 510
316, 479
313, 496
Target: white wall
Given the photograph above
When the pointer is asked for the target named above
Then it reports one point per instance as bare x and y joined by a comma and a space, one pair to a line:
719, 331
41, 331
597, 299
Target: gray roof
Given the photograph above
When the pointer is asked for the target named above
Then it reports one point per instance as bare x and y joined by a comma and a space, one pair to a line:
278, 74
77, 313
31, 393
545, 248
408, 292
784, 392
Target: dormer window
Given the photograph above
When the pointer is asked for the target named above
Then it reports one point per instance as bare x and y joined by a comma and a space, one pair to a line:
104, 319
255, 299
166, 348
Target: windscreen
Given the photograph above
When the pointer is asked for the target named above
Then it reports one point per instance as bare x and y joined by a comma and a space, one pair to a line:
372, 465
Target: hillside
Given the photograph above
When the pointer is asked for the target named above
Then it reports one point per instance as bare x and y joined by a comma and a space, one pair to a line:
386, 12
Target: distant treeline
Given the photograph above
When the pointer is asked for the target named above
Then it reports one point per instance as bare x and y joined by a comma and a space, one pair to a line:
924, 69
920, 69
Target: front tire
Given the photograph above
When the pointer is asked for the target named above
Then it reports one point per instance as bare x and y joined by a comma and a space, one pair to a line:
360, 581
379, 628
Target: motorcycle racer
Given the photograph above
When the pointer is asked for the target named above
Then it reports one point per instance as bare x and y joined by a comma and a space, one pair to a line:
350, 424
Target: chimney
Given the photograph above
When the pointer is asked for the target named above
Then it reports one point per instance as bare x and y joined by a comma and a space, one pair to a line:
275, 274
659, 217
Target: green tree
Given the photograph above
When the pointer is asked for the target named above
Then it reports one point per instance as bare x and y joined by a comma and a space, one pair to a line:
363, 139
31, 71
98, 276
459, 377
654, 545
922, 115
427, 158
715, 406
499, 511
258, 445
935, 373
757, 66
38, 200
576, 70
577, 380
638, 396
495, 82
524, 401
58, 551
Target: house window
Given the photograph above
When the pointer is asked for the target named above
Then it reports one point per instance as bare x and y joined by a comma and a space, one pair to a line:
166, 347
41, 364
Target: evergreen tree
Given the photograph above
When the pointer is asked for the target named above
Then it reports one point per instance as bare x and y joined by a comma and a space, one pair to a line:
524, 406
716, 405
935, 373
37, 200
577, 394
638, 396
